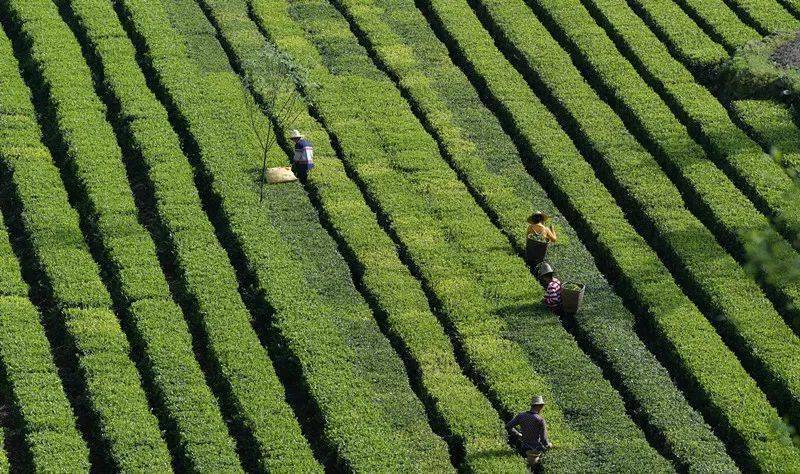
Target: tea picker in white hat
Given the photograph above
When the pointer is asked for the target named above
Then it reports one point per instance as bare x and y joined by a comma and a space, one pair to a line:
533, 432
303, 159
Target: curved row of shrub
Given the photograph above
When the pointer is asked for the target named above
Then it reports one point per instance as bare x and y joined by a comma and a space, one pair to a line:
774, 127
467, 416
720, 22
743, 160
29, 375
720, 134
401, 41
330, 175
766, 16
56, 255
30, 378
709, 194
96, 172
413, 168
701, 54
706, 190
364, 412
756, 332
39, 405
712, 374
241, 368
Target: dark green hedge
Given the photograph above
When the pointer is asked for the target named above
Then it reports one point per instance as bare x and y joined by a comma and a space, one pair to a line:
56, 249
445, 233
241, 367
484, 155
713, 373
357, 388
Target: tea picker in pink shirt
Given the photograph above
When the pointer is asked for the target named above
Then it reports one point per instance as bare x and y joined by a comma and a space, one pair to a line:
552, 297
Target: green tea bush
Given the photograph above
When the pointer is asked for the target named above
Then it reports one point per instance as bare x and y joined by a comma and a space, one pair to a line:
766, 16
687, 340
97, 172
743, 160
208, 282
412, 167
369, 418
715, 278
700, 53
773, 125
54, 244
719, 22
469, 420
485, 157
29, 375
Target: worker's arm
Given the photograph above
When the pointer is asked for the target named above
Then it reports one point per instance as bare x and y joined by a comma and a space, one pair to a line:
545, 438
511, 424
550, 234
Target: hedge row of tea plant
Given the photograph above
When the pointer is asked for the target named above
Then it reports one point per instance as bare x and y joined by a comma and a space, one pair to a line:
745, 316
720, 22
774, 126
356, 386
241, 367
469, 420
702, 55
706, 189
405, 46
742, 159
56, 252
30, 376
413, 166
466, 296
766, 16
159, 331
712, 374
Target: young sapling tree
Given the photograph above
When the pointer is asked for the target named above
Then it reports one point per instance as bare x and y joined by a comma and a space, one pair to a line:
276, 82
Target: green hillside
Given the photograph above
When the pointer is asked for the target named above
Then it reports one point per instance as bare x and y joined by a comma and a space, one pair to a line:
162, 310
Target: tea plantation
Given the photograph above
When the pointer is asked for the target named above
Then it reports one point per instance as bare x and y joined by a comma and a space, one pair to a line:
162, 311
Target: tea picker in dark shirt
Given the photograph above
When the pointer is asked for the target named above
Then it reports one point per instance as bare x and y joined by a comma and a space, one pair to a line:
533, 430
303, 159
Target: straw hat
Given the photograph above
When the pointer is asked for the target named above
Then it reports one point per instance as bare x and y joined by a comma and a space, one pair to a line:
538, 216
537, 400
295, 134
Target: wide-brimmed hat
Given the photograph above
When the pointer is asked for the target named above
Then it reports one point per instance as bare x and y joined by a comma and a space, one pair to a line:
295, 134
538, 215
537, 400
543, 269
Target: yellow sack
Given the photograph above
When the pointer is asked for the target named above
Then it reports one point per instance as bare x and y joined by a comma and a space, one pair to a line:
280, 175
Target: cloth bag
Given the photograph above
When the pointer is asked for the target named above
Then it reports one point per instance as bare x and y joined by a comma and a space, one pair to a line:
280, 175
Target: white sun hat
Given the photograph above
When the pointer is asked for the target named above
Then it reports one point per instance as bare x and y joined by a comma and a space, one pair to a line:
295, 134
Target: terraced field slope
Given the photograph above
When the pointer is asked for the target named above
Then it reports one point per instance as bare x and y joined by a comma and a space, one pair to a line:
156, 315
